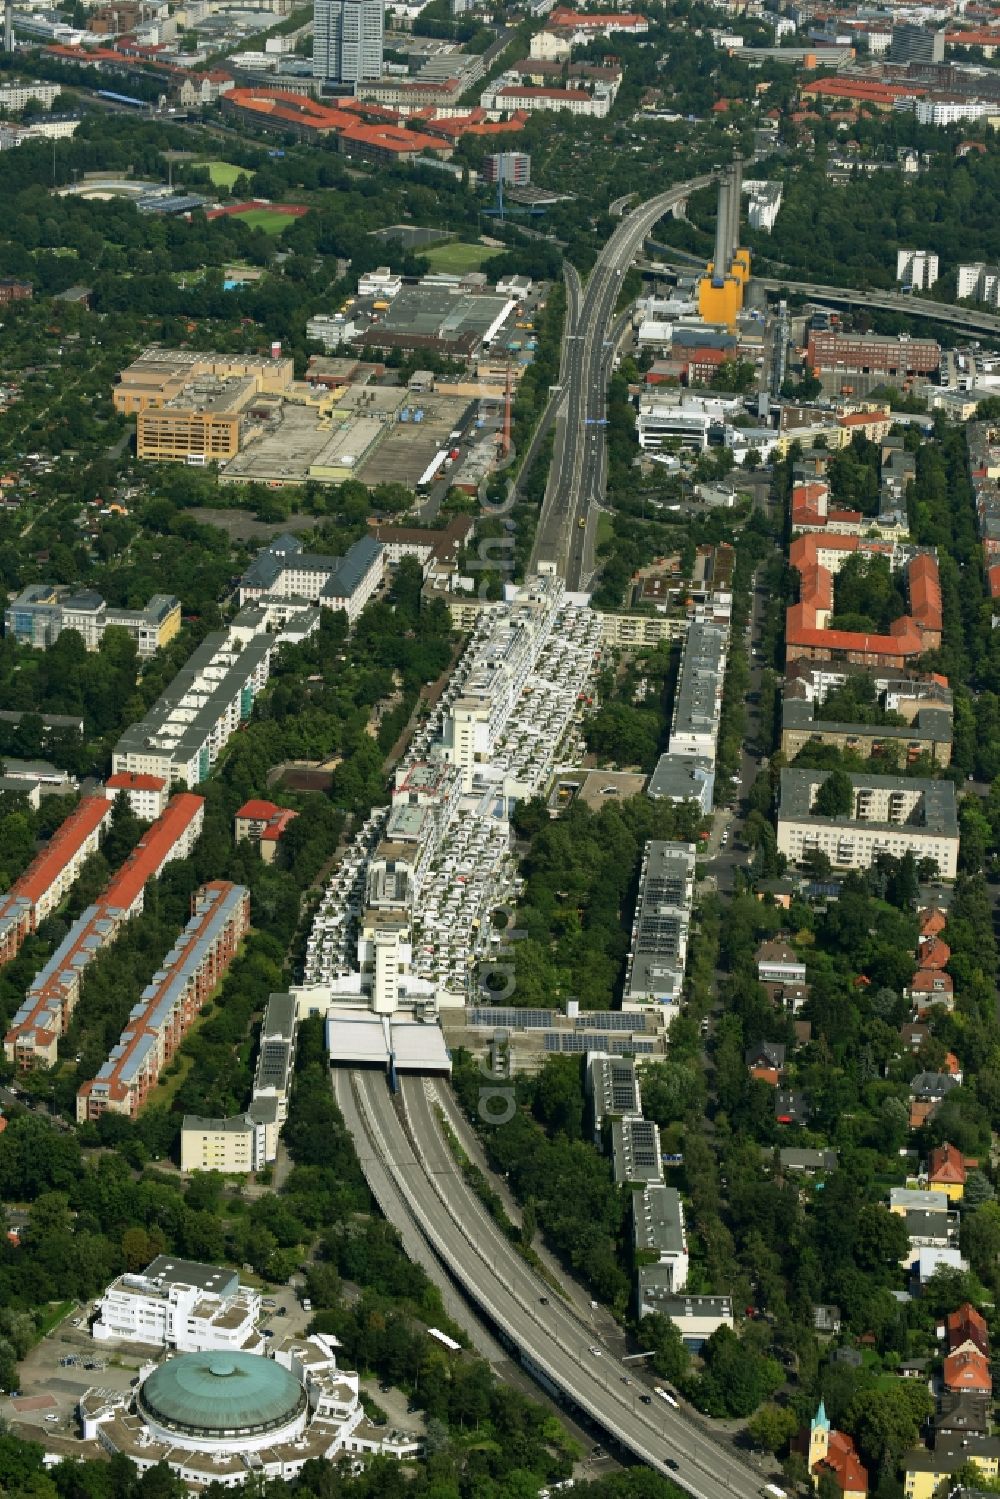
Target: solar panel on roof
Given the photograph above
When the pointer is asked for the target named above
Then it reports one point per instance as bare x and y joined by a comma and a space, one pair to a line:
607, 1020
510, 1019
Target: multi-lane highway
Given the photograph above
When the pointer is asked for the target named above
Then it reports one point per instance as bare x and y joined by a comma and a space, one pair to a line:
554, 1337
568, 522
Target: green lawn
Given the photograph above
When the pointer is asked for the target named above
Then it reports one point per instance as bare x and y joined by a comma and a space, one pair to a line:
223, 173
458, 257
54, 1313
605, 529
267, 219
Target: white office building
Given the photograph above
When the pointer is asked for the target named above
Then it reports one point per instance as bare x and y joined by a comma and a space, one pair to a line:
182, 1305
682, 419
347, 40
916, 268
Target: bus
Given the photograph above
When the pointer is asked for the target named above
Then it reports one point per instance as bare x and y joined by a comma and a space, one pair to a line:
442, 1337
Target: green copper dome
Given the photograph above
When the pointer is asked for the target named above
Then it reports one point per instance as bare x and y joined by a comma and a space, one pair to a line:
218, 1394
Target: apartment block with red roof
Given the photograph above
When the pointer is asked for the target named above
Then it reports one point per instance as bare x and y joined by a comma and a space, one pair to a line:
44, 1014
147, 794
811, 511
564, 19
817, 558
50, 875
220, 917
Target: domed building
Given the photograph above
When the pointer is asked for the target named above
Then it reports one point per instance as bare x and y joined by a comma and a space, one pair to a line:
220, 1414
200, 1400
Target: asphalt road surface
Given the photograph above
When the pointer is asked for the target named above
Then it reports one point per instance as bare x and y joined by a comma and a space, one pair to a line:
554, 1340
568, 523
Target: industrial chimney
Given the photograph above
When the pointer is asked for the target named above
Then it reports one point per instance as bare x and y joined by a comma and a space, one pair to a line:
720, 264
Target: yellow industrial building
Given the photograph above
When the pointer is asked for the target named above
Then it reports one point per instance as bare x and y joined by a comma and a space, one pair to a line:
721, 289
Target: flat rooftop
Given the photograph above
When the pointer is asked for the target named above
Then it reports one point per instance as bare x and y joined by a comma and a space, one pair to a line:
935, 810
447, 315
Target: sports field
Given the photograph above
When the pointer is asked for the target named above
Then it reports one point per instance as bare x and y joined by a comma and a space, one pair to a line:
458, 257
223, 173
271, 220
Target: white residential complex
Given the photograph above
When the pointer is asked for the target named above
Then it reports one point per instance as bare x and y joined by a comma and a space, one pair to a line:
347, 40
916, 268
285, 571
980, 283
889, 814
14, 96
657, 957
765, 202
507, 94
658, 1234
686, 772
406, 916
182, 1305
184, 732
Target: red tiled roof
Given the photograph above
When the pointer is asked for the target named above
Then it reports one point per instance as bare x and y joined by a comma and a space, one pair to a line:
576, 18
932, 922
924, 587
929, 981
863, 89
906, 636
862, 418
967, 1325
843, 1464
946, 1164
131, 780
278, 825
147, 858
64, 843
967, 1369
933, 953
258, 809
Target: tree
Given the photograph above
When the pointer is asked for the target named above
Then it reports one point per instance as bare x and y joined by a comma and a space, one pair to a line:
881, 1240
835, 797
670, 1358
980, 1238
978, 1189
885, 1422
772, 1427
